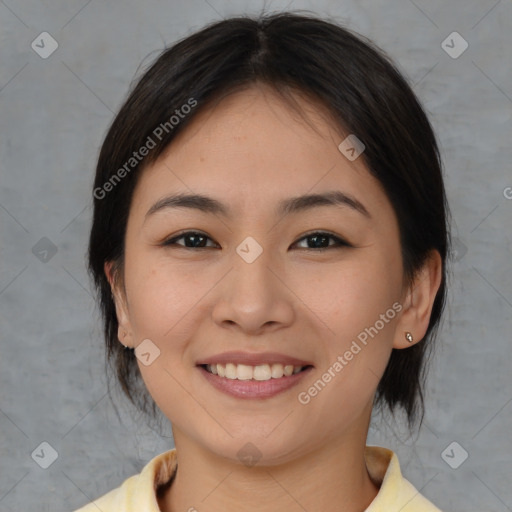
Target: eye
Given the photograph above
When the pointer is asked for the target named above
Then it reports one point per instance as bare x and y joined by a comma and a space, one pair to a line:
319, 239
196, 239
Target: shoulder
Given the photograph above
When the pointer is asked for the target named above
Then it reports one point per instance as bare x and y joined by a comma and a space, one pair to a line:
138, 492
116, 499
414, 501
396, 493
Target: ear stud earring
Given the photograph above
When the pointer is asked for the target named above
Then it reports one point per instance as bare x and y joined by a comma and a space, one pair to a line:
408, 337
124, 336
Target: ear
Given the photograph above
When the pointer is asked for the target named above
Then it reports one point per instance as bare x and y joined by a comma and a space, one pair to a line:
419, 301
124, 332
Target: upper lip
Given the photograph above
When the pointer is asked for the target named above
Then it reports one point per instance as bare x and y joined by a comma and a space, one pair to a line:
252, 359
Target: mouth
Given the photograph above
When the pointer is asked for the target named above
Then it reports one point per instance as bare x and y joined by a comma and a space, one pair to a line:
259, 382
261, 372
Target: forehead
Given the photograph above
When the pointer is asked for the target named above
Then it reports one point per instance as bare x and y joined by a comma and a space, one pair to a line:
258, 121
253, 146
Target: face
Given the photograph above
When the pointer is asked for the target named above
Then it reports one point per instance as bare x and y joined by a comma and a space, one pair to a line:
321, 283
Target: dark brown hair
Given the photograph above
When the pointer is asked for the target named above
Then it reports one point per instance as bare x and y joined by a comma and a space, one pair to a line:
345, 73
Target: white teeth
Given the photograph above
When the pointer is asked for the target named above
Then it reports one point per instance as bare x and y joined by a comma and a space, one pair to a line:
243, 372
277, 371
247, 372
262, 372
231, 371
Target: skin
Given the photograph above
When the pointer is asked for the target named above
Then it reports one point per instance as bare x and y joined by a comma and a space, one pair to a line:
250, 151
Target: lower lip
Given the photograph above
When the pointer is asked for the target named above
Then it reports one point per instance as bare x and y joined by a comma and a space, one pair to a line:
253, 389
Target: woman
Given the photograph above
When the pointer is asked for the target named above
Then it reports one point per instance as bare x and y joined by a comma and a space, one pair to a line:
269, 246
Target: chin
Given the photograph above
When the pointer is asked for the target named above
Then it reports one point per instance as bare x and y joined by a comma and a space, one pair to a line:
252, 449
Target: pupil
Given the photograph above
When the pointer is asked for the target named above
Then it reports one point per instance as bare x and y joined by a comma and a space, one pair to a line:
195, 237
318, 237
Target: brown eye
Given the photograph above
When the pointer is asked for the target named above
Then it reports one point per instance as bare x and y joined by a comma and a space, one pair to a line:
192, 239
317, 241
320, 241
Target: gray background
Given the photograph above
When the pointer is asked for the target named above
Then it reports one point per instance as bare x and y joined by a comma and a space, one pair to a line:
54, 113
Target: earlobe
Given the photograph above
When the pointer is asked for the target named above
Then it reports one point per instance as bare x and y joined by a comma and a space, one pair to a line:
124, 332
415, 318
122, 335
109, 269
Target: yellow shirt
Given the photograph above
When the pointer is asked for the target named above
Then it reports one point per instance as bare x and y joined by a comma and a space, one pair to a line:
138, 492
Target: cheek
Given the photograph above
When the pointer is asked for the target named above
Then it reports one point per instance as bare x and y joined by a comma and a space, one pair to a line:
163, 299
349, 296
161, 295
356, 307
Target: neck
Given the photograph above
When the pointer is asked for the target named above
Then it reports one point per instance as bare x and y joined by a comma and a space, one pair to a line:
332, 476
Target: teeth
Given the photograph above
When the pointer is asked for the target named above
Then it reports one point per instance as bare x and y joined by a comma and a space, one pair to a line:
243, 372
231, 371
246, 372
261, 372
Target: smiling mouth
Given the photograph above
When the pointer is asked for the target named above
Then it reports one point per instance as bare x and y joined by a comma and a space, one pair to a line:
262, 372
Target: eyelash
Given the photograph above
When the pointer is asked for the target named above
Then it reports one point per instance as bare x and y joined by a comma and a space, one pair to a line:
339, 241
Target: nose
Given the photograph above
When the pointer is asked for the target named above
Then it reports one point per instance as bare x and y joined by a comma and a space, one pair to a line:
253, 297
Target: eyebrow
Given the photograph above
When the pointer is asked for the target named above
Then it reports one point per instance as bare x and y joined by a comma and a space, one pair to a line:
285, 207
